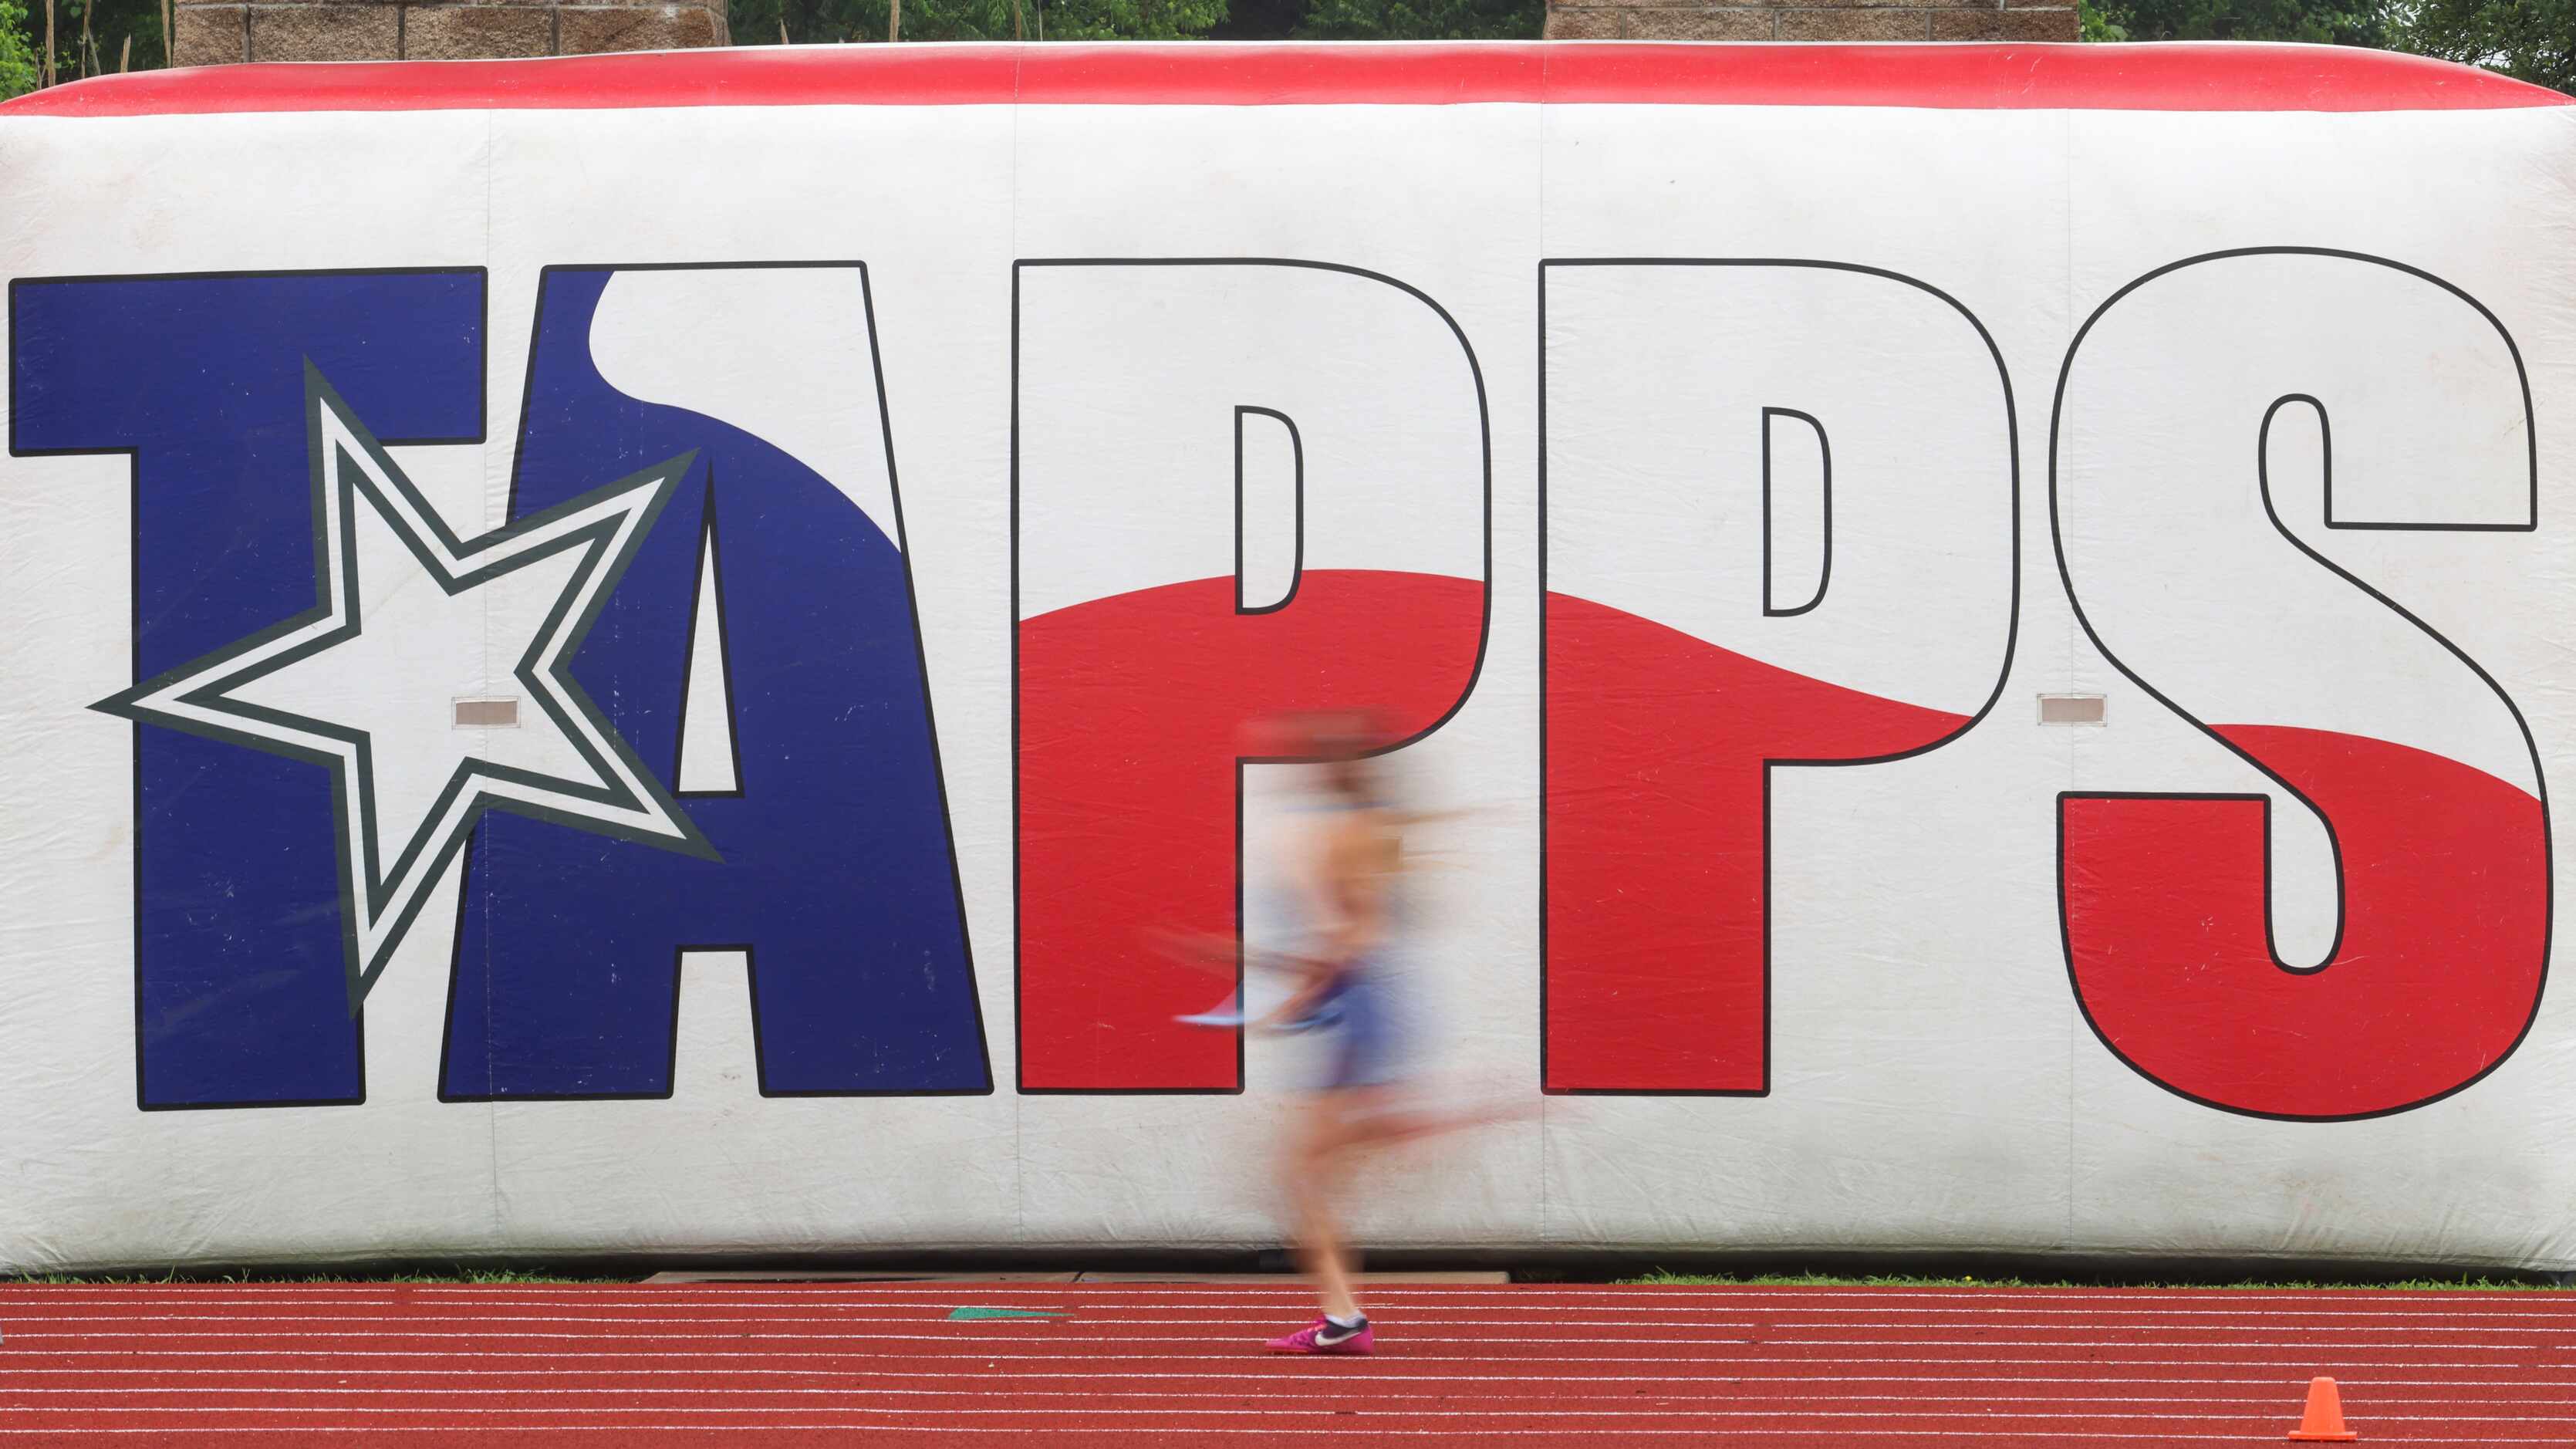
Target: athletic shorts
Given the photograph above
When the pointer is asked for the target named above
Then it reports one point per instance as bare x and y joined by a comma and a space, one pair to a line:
1367, 1046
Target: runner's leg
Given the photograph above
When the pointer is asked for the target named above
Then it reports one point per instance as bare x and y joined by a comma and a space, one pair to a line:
1317, 1157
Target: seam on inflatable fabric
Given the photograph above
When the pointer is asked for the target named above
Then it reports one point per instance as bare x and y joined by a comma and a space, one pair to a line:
1019, 1045
1538, 587
465, 879
2071, 1016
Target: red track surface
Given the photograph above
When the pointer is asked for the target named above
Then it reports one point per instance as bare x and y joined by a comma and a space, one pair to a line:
783, 1365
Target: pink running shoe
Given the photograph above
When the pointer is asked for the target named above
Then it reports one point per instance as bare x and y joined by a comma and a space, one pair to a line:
1324, 1336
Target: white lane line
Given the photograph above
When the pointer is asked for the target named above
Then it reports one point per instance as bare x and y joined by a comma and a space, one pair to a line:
2123, 1312
2286, 1395
299, 1300
1702, 1431
1774, 1430
274, 1300
1586, 1414
260, 1318
1236, 1358
959, 1411
1516, 1303
1838, 1315
1303, 1389
644, 1312
1643, 1300
1821, 1298
2532, 1301
1283, 1373
244, 1330
1289, 1282
441, 1319
2098, 1323
2563, 1298
941, 1304
382, 1334
2109, 1343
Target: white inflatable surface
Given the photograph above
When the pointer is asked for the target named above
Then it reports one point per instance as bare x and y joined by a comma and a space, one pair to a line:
624, 655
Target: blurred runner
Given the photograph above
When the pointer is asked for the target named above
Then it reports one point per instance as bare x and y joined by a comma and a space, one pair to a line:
1347, 869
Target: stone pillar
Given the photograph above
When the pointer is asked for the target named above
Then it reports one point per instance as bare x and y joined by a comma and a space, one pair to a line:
1847, 20
215, 32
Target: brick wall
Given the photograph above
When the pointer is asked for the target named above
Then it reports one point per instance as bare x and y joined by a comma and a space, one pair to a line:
210, 32
1797, 20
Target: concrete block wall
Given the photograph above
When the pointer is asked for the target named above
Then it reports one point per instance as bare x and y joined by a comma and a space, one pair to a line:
1798, 20
215, 32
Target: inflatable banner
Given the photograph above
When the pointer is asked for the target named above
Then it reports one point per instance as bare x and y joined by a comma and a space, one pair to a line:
628, 655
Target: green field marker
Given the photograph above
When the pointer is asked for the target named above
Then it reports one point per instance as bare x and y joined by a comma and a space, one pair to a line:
956, 1313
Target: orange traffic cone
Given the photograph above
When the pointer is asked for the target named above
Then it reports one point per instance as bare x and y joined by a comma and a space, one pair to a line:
2324, 1419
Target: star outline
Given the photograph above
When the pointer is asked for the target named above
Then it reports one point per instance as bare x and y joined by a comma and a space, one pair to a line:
543, 669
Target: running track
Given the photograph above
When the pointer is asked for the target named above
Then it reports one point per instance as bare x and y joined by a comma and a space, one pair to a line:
552, 1367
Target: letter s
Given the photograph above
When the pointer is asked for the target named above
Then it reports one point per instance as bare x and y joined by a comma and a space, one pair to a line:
2193, 410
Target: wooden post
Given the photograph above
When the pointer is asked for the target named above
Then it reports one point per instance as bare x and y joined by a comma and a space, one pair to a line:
49, 42
1015, 20
894, 21
125, 56
782, 29
169, 49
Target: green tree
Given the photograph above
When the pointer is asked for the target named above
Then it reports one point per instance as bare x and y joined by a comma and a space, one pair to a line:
2324, 22
1132, 19
809, 22
1422, 20
90, 36
18, 69
2533, 40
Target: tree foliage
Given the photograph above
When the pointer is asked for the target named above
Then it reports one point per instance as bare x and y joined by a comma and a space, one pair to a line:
2533, 40
831, 22
2321, 22
1421, 20
2094, 26
90, 38
757, 22
19, 72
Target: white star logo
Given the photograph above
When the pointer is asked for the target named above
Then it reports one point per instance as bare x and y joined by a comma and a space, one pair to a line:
367, 681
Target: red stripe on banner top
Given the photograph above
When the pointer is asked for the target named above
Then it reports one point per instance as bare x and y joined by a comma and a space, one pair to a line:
2187, 77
